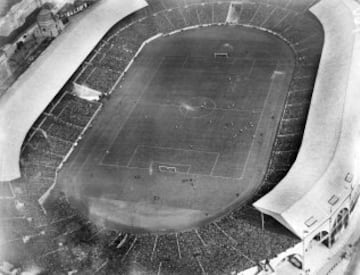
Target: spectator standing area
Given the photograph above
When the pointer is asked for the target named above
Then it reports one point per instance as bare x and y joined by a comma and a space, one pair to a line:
43, 80
186, 136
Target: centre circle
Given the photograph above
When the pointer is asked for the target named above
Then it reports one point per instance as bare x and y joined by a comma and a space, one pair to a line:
197, 107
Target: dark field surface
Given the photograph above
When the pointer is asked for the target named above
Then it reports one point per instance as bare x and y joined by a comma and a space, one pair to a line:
194, 116
212, 119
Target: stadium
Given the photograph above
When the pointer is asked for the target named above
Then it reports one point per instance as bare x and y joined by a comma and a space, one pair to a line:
223, 134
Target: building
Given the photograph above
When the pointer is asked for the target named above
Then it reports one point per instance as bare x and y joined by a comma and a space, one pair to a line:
48, 24
17, 15
5, 70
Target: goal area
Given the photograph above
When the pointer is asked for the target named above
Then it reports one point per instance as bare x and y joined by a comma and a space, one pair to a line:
167, 169
221, 55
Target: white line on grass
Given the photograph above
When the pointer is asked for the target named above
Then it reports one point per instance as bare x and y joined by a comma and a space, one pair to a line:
131, 111
257, 127
215, 163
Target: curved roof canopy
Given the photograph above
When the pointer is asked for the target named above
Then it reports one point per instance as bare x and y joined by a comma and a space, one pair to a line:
321, 177
27, 98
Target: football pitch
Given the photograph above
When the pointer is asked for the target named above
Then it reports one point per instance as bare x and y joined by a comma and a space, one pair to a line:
185, 136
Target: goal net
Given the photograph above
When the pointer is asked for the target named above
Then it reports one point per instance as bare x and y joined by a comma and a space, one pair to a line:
167, 169
221, 55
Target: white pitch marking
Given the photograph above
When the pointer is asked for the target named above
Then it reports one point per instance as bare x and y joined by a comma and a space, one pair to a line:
151, 170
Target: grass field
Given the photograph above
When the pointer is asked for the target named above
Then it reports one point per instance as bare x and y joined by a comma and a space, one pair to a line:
185, 135
195, 117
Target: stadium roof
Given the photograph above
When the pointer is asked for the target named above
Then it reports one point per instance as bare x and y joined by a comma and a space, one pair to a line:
319, 180
27, 98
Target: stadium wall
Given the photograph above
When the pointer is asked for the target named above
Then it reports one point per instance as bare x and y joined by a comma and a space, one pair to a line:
28, 97
324, 179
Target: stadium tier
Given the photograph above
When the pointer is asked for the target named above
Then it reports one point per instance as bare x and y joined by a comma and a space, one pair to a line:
151, 83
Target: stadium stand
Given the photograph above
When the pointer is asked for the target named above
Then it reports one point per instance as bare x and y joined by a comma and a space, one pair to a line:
14, 131
227, 244
286, 23
155, 6
220, 12
147, 28
247, 12
205, 13
301, 7
162, 22
176, 18
191, 16
96, 79
262, 13
277, 15
329, 172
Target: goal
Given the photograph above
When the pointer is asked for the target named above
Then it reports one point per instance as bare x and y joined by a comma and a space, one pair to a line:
167, 169
221, 54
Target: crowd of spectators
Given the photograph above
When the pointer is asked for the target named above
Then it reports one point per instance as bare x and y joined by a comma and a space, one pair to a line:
28, 230
206, 14
63, 241
111, 56
191, 16
220, 11
175, 16
303, 33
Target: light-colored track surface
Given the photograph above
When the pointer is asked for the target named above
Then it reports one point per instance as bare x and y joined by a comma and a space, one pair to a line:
22, 104
330, 147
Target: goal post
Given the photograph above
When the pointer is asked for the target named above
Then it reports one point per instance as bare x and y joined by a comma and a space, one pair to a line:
221, 54
167, 169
